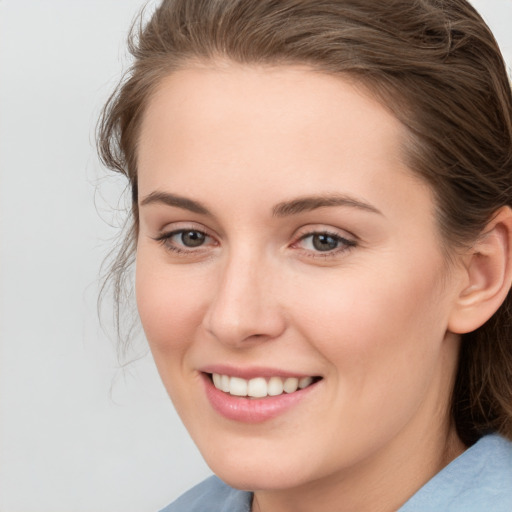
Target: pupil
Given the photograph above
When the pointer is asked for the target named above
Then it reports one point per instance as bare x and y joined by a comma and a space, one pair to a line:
324, 242
192, 238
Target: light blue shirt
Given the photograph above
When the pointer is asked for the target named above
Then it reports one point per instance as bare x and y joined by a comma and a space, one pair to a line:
480, 480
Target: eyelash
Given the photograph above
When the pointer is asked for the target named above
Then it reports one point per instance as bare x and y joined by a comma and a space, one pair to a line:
164, 239
345, 243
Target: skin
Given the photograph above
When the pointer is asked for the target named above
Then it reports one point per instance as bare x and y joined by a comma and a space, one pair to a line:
371, 316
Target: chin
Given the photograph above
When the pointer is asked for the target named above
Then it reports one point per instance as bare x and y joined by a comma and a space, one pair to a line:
250, 472
248, 478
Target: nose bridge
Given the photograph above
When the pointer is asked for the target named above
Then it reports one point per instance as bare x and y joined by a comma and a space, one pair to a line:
244, 306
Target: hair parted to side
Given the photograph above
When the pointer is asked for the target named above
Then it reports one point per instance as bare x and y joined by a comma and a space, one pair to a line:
433, 63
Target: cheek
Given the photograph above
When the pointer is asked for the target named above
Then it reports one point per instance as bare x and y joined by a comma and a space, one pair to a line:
169, 305
377, 327
383, 345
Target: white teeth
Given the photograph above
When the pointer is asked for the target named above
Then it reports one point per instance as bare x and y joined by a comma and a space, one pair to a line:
237, 386
224, 383
259, 387
275, 386
217, 380
291, 384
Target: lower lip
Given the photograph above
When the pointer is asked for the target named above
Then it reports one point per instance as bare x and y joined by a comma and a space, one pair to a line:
252, 410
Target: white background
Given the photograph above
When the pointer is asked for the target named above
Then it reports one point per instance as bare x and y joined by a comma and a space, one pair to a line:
77, 434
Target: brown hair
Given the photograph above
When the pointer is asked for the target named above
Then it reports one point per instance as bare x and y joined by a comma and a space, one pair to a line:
433, 63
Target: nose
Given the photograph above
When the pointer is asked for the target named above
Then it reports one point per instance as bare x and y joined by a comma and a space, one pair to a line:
244, 308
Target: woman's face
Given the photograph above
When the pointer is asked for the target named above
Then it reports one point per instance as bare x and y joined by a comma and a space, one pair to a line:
284, 242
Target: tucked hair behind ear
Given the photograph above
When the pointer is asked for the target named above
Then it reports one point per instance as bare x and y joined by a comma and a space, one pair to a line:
433, 63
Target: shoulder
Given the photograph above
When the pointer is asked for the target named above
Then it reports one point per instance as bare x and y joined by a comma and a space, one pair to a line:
480, 478
212, 495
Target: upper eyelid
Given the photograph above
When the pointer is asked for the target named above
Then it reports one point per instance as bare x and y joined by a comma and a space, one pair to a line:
165, 234
302, 232
179, 226
326, 232
305, 231
348, 241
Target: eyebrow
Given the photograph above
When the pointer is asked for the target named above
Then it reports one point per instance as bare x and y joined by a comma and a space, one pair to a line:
174, 200
308, 203
284, 209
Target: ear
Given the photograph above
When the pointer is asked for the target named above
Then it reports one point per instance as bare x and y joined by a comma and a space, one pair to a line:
487, 275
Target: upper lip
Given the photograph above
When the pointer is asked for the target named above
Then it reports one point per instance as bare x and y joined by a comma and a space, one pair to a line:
251, 372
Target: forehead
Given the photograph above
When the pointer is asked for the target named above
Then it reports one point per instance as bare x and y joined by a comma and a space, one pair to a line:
291, 98
261, 129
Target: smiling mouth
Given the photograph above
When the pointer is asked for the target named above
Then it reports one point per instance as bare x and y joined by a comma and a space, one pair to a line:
260, 387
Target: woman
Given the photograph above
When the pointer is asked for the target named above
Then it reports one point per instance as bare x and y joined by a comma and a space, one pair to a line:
323, 232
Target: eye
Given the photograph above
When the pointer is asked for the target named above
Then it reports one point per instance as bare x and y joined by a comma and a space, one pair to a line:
190, 238
185, 240
325, 242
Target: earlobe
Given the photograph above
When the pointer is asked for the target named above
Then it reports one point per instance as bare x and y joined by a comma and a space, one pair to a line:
487, 275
